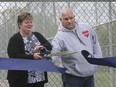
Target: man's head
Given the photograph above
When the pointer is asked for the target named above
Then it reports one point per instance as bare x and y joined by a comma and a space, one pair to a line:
67, 18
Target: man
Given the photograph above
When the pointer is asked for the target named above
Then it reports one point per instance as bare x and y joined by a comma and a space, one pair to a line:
72, 36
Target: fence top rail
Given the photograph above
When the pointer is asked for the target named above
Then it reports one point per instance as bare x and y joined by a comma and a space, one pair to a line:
57, 0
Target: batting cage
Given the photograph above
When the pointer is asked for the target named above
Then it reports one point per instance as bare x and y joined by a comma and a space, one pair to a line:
101, 14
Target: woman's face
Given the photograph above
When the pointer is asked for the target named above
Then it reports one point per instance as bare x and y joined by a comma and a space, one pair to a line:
26, 27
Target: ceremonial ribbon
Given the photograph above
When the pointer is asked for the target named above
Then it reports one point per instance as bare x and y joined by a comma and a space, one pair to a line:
26, 64
107, 61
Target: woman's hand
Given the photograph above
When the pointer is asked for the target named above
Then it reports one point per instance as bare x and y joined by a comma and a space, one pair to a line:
38, 48
37, 56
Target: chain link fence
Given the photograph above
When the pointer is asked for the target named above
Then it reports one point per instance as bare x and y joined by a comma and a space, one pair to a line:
101, 15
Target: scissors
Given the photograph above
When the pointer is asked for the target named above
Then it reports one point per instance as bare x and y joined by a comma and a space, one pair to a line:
48, 54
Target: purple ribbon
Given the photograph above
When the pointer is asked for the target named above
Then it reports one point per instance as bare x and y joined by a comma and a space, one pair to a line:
26, 64
106, 61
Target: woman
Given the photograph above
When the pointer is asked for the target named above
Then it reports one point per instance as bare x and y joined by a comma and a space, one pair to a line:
25, 44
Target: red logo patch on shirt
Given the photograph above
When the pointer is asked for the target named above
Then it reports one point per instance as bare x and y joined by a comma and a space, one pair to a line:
85, 33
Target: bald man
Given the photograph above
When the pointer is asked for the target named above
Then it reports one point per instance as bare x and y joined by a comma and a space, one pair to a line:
72, 36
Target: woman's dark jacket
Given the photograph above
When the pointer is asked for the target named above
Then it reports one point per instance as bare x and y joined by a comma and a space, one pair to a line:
16, 49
